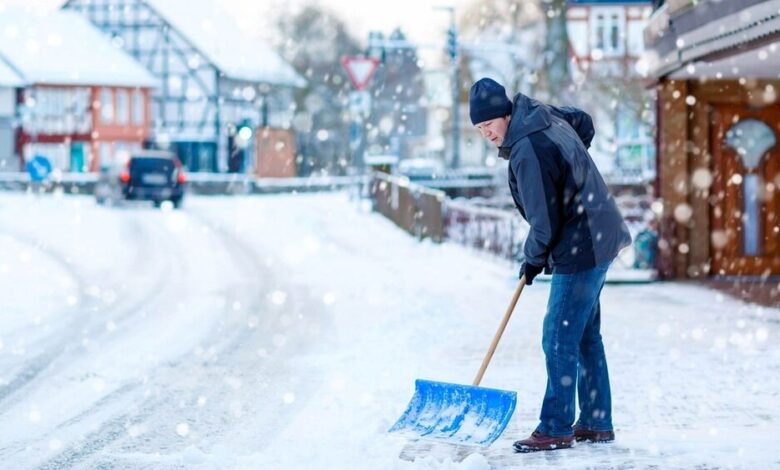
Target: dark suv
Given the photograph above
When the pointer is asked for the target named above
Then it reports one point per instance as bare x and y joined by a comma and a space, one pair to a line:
150, 175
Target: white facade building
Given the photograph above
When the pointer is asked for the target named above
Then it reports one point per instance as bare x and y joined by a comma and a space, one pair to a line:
607, 44
212, 78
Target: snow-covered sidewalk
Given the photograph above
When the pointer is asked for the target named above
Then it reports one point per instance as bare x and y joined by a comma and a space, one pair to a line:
356, 310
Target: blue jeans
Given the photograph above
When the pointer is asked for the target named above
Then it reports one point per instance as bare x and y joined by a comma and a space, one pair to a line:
573, 350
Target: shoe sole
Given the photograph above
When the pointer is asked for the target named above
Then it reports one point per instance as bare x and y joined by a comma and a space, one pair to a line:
526, 450
595, 441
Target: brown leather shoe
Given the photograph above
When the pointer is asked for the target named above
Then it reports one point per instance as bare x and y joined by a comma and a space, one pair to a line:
540, 441
582, 434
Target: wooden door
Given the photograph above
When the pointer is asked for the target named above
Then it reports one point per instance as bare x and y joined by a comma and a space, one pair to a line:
745, 214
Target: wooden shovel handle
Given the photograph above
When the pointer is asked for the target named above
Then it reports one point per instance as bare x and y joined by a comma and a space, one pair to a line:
500, 331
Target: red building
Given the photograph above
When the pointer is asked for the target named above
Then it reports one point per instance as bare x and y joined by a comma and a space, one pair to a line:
86, 103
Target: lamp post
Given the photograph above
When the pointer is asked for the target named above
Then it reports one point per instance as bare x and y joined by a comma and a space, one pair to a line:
453, 52
264, 90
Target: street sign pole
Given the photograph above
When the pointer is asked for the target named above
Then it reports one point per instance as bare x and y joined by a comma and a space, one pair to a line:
360, 70
359, 110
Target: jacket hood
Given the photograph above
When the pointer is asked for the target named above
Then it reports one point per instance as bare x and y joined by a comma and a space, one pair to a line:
528, 116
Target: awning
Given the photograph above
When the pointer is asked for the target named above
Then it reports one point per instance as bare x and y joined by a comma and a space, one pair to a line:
745, 35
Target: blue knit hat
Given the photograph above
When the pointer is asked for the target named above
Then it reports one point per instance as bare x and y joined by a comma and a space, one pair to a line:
487, 100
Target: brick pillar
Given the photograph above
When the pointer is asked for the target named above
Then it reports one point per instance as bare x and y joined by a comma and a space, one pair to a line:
673, 180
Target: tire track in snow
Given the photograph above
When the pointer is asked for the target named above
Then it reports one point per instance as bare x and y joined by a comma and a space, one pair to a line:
92, 318
87, 306
235, 360
236, 353
155, 415
31, 369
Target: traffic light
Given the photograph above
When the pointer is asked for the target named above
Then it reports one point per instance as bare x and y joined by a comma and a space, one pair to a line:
452, 42
239, 141
244, 132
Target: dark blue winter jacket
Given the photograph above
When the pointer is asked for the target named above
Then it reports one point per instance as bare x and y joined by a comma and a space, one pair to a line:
575, 224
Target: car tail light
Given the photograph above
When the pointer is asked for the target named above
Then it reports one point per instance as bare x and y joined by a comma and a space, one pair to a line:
124, 176
181, 178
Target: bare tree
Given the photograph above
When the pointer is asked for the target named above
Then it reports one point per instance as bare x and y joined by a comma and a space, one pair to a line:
504, 39
556, 74
313, 39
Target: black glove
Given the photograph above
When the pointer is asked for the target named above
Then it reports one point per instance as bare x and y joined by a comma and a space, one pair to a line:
530, 271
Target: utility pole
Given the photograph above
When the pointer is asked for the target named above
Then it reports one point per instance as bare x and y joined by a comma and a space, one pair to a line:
452, 50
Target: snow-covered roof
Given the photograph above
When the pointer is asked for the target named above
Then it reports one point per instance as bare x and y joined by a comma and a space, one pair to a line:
8, 76
62, 48
214, 32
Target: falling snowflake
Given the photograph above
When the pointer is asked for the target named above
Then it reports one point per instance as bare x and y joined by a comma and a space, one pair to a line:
279, 297
279, 340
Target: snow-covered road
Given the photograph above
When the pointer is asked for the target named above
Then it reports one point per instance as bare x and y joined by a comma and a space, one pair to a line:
285, 332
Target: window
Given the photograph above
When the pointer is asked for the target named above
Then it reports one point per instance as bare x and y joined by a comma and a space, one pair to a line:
122, 107
121, 152
614, 38
600, 32
105, 154
608, 30
751, 139
138, 107
106, 106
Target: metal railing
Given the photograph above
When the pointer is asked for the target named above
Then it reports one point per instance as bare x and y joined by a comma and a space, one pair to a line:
429, 213
499, 232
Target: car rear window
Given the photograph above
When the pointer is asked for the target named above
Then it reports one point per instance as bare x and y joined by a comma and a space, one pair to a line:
145, 164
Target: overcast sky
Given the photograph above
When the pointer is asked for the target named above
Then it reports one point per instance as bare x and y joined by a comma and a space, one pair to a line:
417, 17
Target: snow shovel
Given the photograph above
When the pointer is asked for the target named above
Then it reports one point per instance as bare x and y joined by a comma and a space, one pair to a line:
461, 414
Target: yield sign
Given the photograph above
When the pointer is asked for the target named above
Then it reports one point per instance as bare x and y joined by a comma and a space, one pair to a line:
360, 69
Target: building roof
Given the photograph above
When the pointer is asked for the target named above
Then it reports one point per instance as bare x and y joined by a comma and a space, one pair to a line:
8, 76
685, 33
62, 48
213, 32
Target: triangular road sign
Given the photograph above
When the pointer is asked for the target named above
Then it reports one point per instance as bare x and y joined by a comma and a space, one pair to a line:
360, 69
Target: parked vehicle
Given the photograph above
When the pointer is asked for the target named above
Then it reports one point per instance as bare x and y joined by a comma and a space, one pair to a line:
421, 168
149, 175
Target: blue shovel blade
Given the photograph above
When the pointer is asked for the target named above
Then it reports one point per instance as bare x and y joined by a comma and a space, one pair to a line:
460, 414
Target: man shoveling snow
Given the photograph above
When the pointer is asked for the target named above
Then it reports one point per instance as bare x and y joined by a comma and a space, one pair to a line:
576, 232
